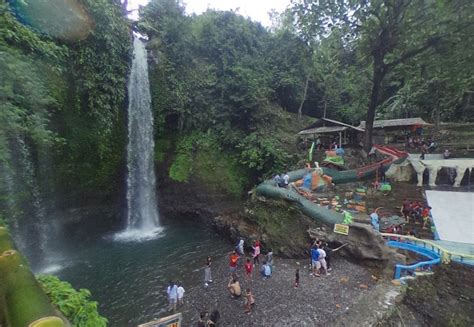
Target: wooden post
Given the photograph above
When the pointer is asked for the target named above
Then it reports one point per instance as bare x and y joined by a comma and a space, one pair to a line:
340, 138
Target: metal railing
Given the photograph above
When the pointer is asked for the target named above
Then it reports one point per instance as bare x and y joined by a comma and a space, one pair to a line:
434, 258
445, 254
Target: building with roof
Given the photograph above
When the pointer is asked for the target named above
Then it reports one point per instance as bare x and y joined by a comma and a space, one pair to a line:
384, 131
329, 130
396, 130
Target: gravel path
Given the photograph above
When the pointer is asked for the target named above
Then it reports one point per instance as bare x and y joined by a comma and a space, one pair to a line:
317, 302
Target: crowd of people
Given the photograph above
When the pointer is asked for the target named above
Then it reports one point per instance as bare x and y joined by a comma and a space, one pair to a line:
240, 264
417, 212
320, 260
175, 292
419, 143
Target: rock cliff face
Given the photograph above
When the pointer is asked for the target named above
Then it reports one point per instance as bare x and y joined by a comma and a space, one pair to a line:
279, 226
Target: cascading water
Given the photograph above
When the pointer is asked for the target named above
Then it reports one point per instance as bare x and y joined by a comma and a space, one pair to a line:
28, 213
142, 211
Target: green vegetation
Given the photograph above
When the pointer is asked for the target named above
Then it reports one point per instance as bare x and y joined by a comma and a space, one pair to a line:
63, 98
223, 75
406, 47
199, 156
276, 221
76, 306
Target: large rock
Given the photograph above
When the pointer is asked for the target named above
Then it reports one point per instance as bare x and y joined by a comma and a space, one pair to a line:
363, 244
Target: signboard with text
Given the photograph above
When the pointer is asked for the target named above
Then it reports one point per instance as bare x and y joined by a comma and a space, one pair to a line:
341, 229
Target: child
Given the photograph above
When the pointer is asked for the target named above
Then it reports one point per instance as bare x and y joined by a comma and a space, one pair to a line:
180, 294
249, 301
248, 270
297, 278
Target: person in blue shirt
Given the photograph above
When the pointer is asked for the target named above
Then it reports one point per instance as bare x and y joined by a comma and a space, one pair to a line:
314, 260
374, 219
266, 271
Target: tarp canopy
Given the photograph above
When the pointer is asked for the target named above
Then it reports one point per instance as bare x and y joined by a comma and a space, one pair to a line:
453, 215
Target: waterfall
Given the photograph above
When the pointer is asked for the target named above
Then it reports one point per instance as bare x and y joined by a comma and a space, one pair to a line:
27, 209
142, 211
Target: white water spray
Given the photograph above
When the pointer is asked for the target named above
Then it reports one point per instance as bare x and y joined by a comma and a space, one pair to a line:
142, 211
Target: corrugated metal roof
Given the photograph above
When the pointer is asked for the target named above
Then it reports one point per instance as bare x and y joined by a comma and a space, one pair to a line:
396, 123
322, 130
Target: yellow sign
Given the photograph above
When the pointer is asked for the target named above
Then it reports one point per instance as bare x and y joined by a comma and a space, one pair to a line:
170, 321
341, 229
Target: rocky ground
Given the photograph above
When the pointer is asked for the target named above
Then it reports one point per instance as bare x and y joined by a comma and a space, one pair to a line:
319, 301
443, 299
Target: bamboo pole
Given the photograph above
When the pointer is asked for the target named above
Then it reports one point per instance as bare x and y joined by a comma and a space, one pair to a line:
25, 302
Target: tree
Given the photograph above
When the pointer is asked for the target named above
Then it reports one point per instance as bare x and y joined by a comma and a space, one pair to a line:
389, 32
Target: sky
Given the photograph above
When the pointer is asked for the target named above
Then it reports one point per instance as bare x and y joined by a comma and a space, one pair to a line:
257, 10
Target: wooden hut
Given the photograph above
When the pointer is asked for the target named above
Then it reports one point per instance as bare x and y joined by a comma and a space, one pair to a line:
396, 130
329, 130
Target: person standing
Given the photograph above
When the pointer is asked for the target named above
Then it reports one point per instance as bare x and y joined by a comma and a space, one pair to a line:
240, 247
426, 216
256, 252
207, 272
314, 260
180, 291
233, 260
322, 260
270, 259
328, 251
297, 278
374, 219
172, 292
265, 271
318, 143
406, 210
248, 270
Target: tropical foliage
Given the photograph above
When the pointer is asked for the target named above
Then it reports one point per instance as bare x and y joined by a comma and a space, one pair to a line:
221, 75
76, 306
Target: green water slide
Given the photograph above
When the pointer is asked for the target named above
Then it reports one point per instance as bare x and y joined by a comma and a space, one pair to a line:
23, 303
271, 190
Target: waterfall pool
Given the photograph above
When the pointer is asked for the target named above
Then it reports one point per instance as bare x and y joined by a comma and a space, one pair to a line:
129, 279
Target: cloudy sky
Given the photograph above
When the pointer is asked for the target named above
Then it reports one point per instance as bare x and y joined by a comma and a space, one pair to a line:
256, 9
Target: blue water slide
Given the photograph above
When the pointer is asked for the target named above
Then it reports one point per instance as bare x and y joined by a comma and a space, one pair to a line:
433, 257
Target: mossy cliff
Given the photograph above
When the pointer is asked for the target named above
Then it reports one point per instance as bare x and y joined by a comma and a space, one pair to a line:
198, 178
